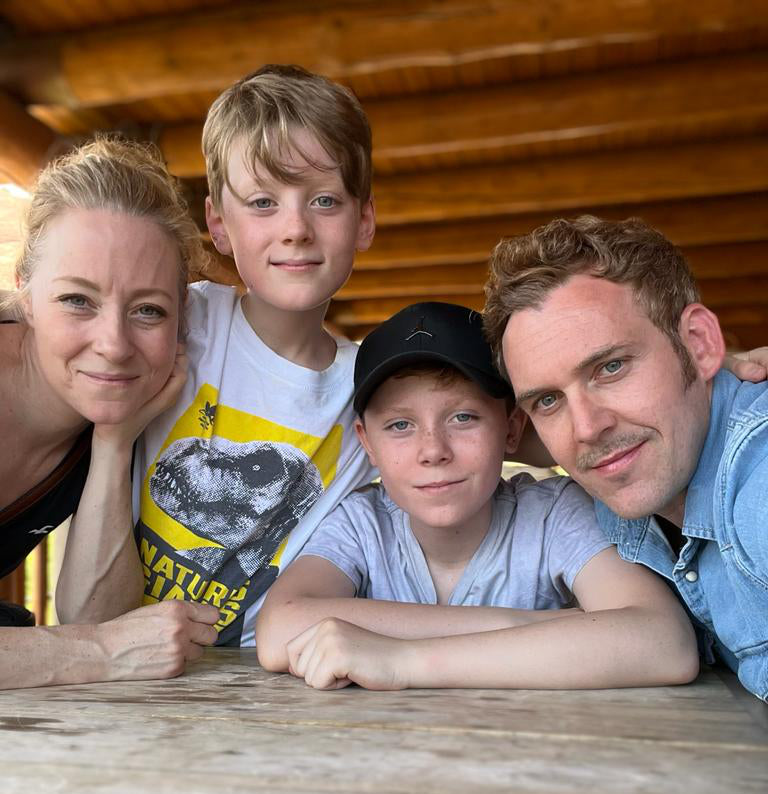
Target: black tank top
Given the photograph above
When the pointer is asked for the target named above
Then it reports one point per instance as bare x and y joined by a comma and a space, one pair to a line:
25, 522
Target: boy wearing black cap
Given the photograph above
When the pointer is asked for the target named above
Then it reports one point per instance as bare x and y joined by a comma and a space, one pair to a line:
462, 579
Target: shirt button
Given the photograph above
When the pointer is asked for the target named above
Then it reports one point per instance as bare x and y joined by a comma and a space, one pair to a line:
691, 576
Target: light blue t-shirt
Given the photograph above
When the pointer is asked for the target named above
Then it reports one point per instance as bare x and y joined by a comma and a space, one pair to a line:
541, 535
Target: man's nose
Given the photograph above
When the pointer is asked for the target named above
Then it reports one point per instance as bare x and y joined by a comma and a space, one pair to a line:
590, 418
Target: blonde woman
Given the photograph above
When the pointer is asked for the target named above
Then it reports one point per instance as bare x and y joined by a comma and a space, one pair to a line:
91, 357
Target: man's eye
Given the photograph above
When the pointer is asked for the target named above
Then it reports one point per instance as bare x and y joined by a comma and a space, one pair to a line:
325, 202
612, 367
547, 401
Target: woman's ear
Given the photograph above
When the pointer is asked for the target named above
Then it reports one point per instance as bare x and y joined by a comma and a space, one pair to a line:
516, 424
218, 230
700, 333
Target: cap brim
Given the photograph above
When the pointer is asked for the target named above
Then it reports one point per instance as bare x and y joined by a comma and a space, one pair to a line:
495, 387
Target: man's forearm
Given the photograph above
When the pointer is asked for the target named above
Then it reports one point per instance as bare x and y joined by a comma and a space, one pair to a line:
101, 574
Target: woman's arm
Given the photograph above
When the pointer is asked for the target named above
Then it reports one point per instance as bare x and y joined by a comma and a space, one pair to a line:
633, 633
101, 575
151, 642
312, 588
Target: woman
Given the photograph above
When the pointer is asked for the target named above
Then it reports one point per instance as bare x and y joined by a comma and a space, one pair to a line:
102, 278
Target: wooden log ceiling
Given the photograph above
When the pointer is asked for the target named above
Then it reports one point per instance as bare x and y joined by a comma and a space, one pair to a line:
489, 118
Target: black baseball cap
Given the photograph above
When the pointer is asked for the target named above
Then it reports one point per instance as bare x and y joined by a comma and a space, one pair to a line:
443, 333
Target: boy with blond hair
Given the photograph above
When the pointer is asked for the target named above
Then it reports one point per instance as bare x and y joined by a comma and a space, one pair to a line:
470, 573
261, 444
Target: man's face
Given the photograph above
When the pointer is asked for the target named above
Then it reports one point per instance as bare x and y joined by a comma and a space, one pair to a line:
605, 391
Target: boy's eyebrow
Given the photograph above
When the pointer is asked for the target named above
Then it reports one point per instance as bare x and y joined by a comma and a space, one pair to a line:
585, 363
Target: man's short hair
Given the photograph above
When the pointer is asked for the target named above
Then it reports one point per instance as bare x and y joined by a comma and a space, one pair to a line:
524, 270
264, 108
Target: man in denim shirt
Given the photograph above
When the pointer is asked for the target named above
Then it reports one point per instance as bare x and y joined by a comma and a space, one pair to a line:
599, 325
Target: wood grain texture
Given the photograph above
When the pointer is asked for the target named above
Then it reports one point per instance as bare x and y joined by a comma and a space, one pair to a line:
378, 48
229, 726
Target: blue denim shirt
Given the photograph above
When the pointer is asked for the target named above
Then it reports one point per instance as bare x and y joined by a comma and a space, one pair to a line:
722, 572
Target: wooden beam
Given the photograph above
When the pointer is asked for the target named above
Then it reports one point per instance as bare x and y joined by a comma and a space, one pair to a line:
615, 109
372, 45
687, 222
726, 273
560, 184
375, 311
24, 144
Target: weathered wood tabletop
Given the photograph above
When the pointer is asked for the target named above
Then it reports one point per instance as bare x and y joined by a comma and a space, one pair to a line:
228, 726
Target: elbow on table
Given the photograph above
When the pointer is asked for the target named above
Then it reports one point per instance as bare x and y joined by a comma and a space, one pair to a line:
270, 649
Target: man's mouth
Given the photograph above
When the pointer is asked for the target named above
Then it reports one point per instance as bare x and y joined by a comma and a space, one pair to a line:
618, 461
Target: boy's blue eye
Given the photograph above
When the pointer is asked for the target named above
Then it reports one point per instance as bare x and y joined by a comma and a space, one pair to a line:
400, 424
262, 203
612, 367
325, 202
464, 418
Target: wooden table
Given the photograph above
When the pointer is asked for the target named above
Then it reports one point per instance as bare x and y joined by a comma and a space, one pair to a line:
228, 726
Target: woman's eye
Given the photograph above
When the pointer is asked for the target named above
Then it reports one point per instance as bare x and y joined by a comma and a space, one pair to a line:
325, 202
612, 367
150, 312
75, 301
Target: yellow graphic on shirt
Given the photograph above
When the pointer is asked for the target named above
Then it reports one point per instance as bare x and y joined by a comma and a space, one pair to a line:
204, 422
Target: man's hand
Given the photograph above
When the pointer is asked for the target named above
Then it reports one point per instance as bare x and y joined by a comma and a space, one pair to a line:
751, 366
333, 654
156, 641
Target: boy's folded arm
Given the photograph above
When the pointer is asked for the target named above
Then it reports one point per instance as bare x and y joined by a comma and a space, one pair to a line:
633, 633
312, 589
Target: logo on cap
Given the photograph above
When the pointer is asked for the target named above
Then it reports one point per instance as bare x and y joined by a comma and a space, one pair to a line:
419, 329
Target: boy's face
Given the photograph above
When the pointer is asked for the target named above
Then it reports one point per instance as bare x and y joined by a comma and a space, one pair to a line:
293, 244
439, 447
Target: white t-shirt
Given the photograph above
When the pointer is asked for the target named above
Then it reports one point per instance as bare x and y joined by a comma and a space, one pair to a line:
230, 483
540, 536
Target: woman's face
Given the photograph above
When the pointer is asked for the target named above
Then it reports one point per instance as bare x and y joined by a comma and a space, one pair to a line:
103, 303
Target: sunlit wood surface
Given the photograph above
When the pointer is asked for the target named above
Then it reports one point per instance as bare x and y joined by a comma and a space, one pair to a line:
228, 726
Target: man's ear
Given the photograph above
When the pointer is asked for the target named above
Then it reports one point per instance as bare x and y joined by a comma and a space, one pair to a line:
515, 426
217, 228
700, 333
367, 226
363, 437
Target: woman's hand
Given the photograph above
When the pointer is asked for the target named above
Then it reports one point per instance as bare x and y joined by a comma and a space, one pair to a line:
125, 433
